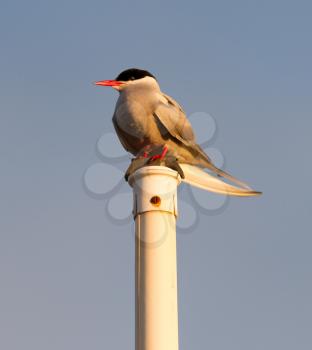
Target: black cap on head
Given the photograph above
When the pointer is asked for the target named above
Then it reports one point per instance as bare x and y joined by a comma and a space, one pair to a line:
133, 74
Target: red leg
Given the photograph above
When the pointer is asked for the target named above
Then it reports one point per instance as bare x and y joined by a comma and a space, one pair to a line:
160, 156
145, 153
164, 152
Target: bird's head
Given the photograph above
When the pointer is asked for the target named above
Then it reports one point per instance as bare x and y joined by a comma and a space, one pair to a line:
129, 77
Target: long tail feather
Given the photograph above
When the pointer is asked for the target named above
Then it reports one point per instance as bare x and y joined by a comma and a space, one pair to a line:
227, 176
195, 176
207, 163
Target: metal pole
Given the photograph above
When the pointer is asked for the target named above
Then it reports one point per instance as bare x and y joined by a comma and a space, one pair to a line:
155, 211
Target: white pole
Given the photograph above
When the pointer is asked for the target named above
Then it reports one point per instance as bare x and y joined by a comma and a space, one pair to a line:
155, 211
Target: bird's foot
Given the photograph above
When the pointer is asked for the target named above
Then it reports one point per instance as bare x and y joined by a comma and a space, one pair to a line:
165, 158
136, 164
144, 153
160, 156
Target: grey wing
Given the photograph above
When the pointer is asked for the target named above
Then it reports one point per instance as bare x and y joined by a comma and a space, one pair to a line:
172, 117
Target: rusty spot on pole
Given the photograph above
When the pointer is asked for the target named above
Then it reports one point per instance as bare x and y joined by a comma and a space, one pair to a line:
156, 201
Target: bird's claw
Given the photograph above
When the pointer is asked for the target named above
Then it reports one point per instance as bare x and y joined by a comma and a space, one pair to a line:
136, 163
160, 156
165, 159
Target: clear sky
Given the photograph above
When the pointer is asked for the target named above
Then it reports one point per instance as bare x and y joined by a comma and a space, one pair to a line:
66, 269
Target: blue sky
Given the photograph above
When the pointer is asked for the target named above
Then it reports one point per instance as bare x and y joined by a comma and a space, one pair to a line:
66, 270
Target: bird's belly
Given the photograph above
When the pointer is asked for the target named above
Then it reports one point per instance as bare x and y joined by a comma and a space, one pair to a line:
138, 136
136, 131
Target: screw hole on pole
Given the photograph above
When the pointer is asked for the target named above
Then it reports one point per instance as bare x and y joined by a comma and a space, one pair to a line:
156, 201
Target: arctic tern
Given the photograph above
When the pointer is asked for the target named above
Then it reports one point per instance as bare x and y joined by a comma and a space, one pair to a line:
146, 119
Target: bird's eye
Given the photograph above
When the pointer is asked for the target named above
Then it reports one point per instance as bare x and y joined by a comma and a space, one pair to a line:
132, 78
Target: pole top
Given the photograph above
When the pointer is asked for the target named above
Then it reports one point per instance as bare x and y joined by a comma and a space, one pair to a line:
153, 170
154, 189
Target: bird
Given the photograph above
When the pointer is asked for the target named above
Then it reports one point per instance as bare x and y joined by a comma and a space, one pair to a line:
146, 119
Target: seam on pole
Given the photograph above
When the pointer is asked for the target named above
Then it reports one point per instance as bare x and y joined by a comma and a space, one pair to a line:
155, 211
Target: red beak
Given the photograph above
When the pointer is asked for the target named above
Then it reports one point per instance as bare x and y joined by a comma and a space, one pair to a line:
109, 83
